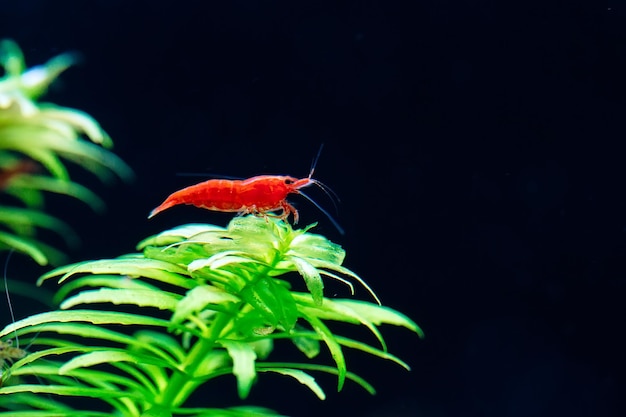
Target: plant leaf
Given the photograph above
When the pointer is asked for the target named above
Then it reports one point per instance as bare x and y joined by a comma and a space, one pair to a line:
91, 316
133, 267
273, 301
302, 377
139, 297
198, 299
244, 357
378, 314
25, 246
333, 346
107, 356
312, 278
58, 186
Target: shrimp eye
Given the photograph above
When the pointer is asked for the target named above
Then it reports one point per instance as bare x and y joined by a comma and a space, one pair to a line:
289, 181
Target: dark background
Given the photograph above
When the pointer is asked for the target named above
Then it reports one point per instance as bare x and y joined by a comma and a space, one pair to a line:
476, 146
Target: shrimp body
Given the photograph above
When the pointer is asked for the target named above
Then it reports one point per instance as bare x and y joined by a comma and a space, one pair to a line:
257, 195
8, 354
24, 166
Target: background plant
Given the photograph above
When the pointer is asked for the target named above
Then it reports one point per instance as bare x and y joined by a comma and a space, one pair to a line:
36, 141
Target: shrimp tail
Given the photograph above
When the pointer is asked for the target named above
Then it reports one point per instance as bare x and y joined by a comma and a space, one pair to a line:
171, 201
164, 206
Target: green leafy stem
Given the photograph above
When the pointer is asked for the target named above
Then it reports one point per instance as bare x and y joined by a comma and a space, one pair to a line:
201, 302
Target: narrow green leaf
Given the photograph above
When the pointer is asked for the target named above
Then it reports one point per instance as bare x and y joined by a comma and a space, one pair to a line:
241, 411
36, 402
345, 271
27, 289
91, 316
157, 411
273, 301
80, 121
380, 314
56, 351
198, 298
364, 347
222, 259
25, 246
97, 281
312, 278
102, 393
244, 358
18, 216
318, 368
302, 377
307, 345
11, 58
178, 234
58, 186
45, 157
162, 341
313, 246
84, 377
335, 310
48, 413
108, 356
333, 346
149, 268
28, 196
160, 345
84, 330
140, 297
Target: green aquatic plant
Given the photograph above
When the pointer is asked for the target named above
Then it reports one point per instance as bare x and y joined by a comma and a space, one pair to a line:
37, 139
141, 333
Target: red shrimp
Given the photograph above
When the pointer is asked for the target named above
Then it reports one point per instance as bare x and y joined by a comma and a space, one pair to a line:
258, 195
9, 353
23, 166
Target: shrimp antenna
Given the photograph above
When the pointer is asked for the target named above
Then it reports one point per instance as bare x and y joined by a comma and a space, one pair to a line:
327, 190
317, 158
320, 208
6, 289
332, 196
